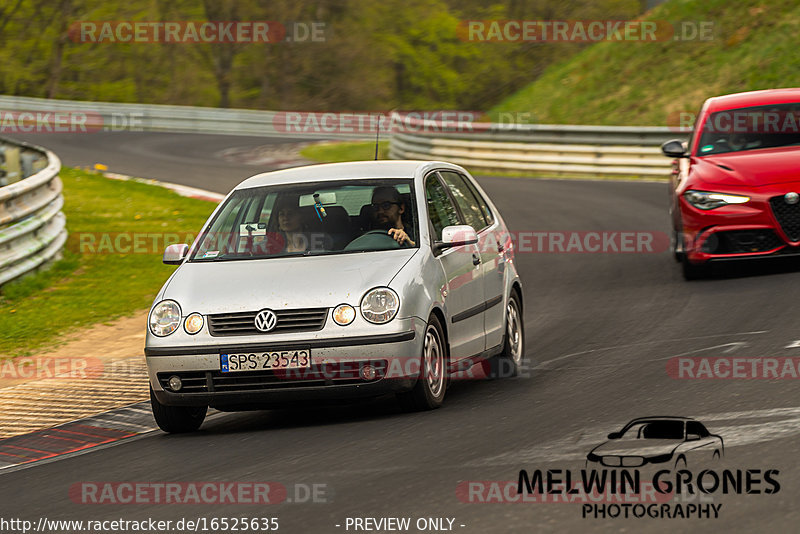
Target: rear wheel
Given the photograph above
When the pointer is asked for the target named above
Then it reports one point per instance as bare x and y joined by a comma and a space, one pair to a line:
509, 362
177, 419
428, 393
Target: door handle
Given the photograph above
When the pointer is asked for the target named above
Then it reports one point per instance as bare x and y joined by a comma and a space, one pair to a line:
475, 259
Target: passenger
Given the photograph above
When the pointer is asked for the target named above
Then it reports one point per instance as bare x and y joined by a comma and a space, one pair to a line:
290, 222
388, 209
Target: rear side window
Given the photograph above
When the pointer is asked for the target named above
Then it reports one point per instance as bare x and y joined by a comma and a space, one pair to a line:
693, 427
466, 200
441, 210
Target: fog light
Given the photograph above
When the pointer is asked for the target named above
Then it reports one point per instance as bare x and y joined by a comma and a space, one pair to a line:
344, 314
368, 372
175, 383
193, 323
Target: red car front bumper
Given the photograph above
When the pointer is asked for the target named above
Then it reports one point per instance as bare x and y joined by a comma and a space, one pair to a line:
764, 226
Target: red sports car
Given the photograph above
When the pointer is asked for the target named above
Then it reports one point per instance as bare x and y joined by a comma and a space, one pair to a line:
735, 190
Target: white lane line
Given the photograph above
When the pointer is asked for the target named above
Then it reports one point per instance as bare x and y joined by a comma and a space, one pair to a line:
793, 345
736, 345
544, 364
735, 434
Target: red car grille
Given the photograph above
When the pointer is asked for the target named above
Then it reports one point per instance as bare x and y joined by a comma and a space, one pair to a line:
788, 216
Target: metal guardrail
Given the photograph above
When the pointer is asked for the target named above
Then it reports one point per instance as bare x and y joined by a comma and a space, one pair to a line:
551, 149
32, 227
110, 116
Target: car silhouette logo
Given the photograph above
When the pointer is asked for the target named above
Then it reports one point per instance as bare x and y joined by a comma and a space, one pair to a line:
791, 198
266, 320
670, 441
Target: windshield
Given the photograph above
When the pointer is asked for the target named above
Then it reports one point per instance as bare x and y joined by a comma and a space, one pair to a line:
655, 430
750, 128
312, 219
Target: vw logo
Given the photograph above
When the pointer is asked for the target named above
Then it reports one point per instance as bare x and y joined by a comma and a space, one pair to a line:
266, 320
791, 198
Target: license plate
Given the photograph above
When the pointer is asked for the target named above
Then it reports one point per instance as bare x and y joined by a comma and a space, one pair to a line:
260, 361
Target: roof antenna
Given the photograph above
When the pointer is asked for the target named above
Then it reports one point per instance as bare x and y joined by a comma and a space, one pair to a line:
377, 136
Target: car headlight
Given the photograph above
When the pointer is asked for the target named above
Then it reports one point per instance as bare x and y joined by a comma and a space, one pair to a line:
379, 305
165, 318
706, 200
193, 323
343, 314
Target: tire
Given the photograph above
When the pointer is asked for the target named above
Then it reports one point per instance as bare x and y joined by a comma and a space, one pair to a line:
680, 463
509, 362
694, 271
177, 419
677, 252
428, 392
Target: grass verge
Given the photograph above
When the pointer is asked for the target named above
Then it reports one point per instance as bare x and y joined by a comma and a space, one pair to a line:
105, 273
751, 45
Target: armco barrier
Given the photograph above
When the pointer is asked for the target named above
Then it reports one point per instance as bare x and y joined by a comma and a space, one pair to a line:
32, 227
550, 149
541, 148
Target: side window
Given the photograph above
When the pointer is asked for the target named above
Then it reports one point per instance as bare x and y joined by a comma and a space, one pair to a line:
440, 209
482, 204
693, 427
473, 215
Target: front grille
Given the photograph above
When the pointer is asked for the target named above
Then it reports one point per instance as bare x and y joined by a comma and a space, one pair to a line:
243, 323
788, 216
741, 242
317, 375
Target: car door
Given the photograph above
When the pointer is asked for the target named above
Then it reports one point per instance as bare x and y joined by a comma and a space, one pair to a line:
699, 451
464, 298
476, 213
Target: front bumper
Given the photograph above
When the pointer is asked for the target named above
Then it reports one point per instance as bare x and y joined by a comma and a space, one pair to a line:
335, 372
735, 232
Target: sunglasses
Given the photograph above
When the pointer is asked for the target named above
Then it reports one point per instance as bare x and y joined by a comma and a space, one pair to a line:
383, 205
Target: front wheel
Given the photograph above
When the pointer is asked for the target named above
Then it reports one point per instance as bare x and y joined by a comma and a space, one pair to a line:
509, 362
177, 419
694, 271
428, 393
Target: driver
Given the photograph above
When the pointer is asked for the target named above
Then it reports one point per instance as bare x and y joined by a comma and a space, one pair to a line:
388, 208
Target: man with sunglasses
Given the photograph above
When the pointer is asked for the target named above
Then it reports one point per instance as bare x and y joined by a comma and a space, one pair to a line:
387, 209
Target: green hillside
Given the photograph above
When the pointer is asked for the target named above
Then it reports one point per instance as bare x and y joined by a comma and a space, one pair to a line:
754, 46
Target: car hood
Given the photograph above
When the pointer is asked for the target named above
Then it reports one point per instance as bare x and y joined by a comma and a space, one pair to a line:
637, 447
282, 283
752, 168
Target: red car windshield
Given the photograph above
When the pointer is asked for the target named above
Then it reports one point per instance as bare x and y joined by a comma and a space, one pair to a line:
736, 130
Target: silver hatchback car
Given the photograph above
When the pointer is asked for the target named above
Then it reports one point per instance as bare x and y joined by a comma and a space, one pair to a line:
343, 280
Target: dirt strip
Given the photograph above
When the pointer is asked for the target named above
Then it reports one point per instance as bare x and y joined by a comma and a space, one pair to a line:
96, 369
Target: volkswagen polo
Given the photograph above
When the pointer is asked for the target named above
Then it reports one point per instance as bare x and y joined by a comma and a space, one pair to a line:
336, 281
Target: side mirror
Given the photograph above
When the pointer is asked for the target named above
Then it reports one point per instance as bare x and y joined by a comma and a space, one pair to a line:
457, 235
615, 435
674, 149
692, 437
175, 254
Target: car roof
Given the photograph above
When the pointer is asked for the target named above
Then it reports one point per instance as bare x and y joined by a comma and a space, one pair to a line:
659, 418
352, 170
754, 98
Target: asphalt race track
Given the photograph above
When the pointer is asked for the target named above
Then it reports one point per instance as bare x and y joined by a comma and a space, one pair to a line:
600, 331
